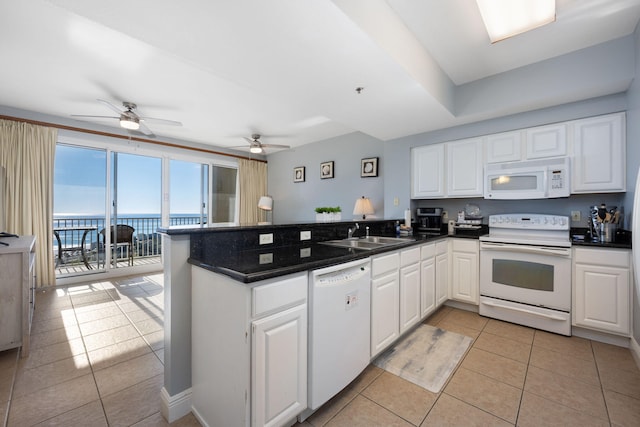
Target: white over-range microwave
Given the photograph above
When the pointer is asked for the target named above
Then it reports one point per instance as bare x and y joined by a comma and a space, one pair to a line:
530, 179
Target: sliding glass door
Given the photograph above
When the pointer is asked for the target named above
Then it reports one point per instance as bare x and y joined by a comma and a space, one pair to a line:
188, 189
136, 201
79, 209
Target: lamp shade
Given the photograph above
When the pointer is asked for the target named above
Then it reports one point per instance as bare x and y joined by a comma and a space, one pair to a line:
265, 203
363, 207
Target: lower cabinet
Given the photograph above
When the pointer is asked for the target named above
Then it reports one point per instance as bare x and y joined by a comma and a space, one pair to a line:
409, 288
465, 270
602, 289
249, 349
427, 279
442, 272
385, 301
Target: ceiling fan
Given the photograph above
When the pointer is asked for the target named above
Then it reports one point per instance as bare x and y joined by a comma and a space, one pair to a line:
257, 147
130, 119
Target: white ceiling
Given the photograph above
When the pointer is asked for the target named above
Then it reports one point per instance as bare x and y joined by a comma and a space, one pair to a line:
286, 69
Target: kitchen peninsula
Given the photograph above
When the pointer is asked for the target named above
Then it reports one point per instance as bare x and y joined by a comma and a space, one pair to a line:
236, 253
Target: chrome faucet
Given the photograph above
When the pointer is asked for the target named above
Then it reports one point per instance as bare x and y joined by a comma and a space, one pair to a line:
351, 231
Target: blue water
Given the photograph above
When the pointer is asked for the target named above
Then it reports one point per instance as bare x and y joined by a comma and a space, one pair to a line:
144, 225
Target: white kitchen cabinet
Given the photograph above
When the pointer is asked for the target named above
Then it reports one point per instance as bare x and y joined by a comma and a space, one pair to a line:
464, 168
602, 289
546, 141
442, 272
279, 355
428, 171
409, 288
249, 349
17, 297
504, 147
598, 160
385, 301
465, 273
427, 279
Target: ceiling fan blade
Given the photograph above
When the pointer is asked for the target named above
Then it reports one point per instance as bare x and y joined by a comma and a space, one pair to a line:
276, 146
144, 129
161, 121
94, 117
251, 141
111, 106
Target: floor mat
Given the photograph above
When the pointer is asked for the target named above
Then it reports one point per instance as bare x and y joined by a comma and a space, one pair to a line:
426, 357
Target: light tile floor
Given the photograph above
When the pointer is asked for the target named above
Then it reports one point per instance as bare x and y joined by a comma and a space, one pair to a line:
511, 375
97, 360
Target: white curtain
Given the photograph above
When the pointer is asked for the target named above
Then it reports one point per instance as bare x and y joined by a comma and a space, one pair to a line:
27, 154
253, 184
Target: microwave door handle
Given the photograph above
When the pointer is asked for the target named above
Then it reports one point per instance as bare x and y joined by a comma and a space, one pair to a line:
540, 250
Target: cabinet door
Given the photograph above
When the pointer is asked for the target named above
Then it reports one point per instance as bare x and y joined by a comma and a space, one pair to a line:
442, 279
465, 272
427, 172
427, 287
599, 163
546, 141
279, 367
409, 296
11, 289
464, 277
385, 311
464, 168
601, 298
504, 147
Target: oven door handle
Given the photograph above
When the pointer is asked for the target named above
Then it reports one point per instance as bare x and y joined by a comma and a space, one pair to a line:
524, 310
540, 250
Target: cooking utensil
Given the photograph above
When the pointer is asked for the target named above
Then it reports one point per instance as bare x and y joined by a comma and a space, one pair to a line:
602, 213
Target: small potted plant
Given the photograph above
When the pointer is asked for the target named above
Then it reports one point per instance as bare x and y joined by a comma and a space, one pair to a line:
328, 214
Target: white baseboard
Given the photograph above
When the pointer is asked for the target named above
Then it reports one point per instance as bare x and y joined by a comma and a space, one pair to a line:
461, 305
635, 350
175, 407
602, 337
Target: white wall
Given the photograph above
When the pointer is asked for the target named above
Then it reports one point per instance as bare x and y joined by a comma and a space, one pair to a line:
295, 202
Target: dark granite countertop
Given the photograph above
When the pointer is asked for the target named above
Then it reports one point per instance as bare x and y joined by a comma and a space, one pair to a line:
582, 237
253, 265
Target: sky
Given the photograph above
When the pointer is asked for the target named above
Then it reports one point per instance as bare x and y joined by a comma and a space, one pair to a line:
79, 183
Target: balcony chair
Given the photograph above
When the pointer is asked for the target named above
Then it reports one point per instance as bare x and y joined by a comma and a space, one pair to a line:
123, 237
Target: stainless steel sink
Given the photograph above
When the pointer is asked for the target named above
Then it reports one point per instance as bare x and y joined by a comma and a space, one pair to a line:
368, 243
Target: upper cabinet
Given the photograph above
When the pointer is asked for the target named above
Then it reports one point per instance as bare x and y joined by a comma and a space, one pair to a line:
464, 168
596, 146
427, 172
599, 163
460, 162
527, 144
546, 141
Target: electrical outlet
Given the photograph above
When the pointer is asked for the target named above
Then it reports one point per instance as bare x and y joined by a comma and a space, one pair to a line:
575, 216
305, 235
266, 258
445, 215
265, 239
396, 201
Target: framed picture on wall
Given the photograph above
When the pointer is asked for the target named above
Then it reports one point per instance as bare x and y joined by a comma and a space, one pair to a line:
298, 174
326, 170
369, 167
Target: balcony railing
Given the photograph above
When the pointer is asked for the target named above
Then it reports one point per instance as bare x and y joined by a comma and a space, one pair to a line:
79, 244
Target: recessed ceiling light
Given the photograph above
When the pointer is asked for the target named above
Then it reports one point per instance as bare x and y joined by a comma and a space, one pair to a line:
507, 18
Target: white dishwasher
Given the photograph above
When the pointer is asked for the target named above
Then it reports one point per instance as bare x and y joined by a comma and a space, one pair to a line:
339, 328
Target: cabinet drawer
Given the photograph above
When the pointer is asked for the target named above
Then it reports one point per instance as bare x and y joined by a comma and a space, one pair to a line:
428, 251
279, 294
608, 257
409, 256
384, 264
465, 245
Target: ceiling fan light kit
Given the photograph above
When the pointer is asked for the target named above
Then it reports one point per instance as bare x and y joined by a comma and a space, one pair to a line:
507, 18
131, 123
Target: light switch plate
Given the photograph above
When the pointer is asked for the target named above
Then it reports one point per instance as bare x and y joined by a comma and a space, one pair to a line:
265, 239
575, 216
305, 235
